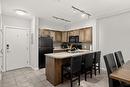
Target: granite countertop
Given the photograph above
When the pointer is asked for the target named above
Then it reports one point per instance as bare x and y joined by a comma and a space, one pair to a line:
62, 55
59, 49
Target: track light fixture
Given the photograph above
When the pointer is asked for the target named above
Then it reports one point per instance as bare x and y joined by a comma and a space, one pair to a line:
57, 18
75, 8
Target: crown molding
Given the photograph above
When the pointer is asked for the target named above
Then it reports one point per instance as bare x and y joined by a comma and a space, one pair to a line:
115, 13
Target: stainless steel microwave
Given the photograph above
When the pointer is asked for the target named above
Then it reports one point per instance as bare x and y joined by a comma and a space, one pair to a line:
74, 39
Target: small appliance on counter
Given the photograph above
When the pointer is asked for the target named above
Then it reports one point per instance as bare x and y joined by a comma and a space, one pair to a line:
65, 45
77, 46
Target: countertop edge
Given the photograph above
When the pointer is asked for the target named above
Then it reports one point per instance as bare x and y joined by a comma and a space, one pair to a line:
54, 55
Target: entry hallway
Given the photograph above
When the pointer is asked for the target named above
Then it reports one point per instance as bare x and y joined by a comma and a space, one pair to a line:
27, 77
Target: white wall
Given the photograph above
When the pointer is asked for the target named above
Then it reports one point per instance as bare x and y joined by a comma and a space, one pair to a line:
114, 35
0, 15
89, 23
0, 40
16, 21
34, 43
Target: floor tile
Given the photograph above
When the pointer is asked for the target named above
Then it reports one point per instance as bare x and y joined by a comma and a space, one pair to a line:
27, 77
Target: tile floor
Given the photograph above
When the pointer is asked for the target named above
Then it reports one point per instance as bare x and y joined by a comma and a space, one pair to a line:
27, 77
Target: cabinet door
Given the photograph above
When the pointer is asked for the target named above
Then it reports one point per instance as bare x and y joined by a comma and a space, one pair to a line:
64, 36
41, 32
76, 32
52, 34
58, 36
44, 32
81, 35
71, 33
88, 35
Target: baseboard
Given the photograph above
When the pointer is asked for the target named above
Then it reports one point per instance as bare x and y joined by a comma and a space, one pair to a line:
34, 68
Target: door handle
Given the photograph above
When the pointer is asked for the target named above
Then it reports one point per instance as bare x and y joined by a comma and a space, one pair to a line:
7, 46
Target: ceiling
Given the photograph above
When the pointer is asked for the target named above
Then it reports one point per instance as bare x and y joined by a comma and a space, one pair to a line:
45, 9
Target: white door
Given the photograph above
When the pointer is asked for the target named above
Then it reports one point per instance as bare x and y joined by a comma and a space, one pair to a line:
1, 42
17, 45
1, 45
1, 50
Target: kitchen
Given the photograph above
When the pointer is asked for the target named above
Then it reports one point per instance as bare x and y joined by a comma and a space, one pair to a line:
37, 38
60, 43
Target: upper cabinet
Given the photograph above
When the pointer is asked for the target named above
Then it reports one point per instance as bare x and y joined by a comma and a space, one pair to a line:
81, 35
76, 33
58, 36
73, 33
70, 33
52, 35
55, 35
88, 35
64, 36
44, 33
85, 34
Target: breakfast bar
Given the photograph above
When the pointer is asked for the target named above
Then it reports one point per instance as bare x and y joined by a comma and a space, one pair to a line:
54, 62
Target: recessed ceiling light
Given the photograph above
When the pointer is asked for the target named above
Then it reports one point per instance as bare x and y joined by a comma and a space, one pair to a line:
83, 15
20, 12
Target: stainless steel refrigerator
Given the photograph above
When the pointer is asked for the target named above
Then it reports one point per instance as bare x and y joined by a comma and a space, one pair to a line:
45, 46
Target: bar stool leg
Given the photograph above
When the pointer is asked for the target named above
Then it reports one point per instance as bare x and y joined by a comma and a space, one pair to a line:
79, 79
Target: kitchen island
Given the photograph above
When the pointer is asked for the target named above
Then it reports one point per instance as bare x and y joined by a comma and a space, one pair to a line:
54, 62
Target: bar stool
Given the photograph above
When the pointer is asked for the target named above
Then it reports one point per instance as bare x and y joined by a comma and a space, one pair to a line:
96, 62
87, 65
72, 70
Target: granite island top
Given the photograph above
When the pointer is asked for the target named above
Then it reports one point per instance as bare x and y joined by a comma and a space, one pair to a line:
62, 55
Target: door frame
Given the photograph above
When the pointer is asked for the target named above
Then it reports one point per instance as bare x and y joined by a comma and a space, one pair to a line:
1, 51
4, 45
